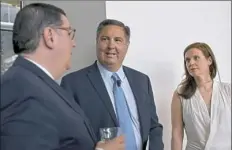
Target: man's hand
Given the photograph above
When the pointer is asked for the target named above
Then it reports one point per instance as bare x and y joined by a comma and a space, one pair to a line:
117, 143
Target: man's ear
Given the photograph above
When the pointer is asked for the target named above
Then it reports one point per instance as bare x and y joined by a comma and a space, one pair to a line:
128, 43
48, 36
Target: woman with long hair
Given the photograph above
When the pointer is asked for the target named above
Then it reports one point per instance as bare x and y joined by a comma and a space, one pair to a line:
201, 105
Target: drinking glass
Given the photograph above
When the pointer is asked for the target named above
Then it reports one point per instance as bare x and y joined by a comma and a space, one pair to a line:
109, 133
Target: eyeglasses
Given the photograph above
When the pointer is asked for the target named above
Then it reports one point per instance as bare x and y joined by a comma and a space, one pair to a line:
71, 31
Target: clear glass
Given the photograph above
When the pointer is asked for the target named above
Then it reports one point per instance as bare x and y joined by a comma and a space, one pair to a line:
110, 133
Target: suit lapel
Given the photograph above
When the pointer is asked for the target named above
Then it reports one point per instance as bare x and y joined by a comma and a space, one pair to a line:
139, 98
69, 100
52, 84
98, 84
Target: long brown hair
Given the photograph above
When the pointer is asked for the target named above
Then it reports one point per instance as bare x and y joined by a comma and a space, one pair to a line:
188, 84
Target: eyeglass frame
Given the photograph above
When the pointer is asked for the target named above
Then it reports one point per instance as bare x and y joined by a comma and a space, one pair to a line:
69, 30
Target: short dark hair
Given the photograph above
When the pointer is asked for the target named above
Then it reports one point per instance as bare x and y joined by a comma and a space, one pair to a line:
29, 24
107, 22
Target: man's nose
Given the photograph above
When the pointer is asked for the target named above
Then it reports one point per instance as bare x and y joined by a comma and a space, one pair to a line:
111, 44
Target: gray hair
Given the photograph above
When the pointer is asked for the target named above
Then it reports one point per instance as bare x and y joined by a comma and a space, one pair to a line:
29, 24
107, 22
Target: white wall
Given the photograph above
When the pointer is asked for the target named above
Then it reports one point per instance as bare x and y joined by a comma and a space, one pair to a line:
161, 31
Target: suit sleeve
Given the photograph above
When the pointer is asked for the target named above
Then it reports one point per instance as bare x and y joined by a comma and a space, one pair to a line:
26, 122
156, 130
28, 126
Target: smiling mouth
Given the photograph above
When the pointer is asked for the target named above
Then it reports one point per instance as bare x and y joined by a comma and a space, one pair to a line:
111, 54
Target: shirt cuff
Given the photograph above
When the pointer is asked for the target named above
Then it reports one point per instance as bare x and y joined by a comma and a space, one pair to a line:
99, 149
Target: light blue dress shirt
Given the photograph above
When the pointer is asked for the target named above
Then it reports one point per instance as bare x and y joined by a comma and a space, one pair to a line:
108, 81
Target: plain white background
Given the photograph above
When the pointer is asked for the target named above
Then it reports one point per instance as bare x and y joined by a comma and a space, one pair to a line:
159, 33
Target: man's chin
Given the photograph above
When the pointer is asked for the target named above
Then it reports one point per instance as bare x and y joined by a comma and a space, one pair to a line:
111, 62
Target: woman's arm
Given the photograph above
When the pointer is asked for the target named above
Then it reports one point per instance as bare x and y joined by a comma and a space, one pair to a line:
177, 123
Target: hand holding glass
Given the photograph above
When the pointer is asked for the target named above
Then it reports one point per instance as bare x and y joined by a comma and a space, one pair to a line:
110, 133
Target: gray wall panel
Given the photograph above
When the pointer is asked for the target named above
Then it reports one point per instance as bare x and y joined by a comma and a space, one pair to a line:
84, 16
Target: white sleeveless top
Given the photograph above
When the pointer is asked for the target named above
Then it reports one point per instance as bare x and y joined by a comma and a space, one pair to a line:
204, 131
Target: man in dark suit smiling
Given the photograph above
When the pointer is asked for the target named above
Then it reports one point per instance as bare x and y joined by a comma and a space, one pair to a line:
115, 95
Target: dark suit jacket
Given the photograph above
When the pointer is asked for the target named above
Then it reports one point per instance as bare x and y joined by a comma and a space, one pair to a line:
88, 89
37, 114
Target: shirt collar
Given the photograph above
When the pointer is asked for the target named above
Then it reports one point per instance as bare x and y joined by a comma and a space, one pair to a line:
41, 67
107, 74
